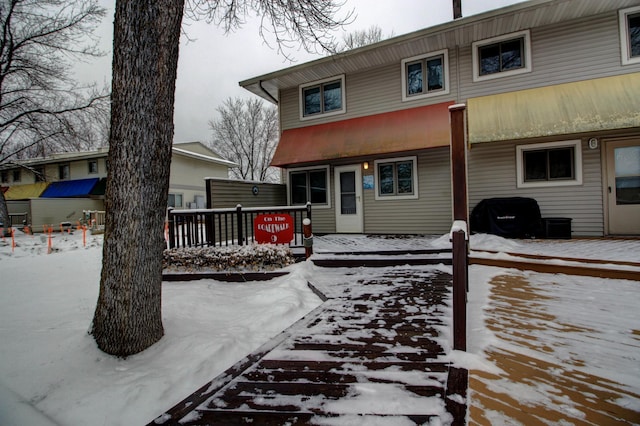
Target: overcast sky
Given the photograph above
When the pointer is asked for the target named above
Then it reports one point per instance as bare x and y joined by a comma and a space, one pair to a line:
211, 65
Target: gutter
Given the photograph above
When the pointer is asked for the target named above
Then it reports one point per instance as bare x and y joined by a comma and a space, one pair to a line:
266, 92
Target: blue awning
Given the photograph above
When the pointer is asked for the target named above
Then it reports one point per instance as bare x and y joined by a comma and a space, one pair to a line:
70, 188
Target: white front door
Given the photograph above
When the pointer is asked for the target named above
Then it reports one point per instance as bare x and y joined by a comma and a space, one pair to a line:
623, 186
348, 183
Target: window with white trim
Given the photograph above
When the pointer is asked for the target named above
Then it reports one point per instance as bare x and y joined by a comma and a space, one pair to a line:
425, 75
502, 56
39, 174
322, 98
17, 175
630, 35
396, 178
64, 172
309, 184
93, 166
175, 200
549, 164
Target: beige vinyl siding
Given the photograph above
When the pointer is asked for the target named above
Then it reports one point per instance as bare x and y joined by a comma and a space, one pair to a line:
369, 92
429, 214
323, 219
580, 50
573, 51
53, 211
492, 174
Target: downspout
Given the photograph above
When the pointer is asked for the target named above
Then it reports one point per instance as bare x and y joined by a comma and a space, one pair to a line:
275, 101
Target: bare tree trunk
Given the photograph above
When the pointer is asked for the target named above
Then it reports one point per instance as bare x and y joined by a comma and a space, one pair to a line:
146, 38
4, 215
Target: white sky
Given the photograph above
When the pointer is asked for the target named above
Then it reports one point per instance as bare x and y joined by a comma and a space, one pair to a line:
210, 67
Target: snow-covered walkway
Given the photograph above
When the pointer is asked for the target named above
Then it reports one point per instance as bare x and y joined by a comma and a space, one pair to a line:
376, 352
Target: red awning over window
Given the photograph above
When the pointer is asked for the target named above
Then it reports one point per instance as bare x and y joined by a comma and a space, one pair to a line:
398, 131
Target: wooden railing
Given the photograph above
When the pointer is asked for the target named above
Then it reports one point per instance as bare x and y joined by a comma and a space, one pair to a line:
226, 227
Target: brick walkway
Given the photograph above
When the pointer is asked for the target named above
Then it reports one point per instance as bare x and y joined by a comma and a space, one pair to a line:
372, 353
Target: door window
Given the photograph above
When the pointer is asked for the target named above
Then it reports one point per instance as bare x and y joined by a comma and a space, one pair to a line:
627, 169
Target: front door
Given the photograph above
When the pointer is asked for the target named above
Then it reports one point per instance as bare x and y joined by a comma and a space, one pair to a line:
623, 186
348, 183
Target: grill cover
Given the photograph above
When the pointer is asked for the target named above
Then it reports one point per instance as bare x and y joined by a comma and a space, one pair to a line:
514, 217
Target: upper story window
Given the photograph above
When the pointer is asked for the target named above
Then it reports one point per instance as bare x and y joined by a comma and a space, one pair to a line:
396, 178
322, 98
39, 174
425, 75
549, 164
17, 176
93, 167
309, 185
630, 35
502, 56
64, 172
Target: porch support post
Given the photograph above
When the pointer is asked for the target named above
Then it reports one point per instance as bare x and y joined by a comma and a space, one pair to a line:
460, 216
459, 162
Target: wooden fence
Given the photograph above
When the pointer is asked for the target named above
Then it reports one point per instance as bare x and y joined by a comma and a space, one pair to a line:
226, 227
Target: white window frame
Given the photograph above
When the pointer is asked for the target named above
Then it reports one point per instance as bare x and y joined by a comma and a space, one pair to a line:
177, 194
577, 163
414, 172
625, 49
304, 169
526, 35
89, 162
61, 168
321, 82
445, 72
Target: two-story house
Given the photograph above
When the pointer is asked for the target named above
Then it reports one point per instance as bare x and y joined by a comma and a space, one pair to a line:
552, 89
59, 187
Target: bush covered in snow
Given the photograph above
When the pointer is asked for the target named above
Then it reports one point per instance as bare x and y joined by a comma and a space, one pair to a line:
264, 257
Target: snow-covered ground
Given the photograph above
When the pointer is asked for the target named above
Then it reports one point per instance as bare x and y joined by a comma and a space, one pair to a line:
51, 371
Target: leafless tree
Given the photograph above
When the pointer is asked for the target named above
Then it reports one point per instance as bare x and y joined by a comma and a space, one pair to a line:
127, 319
246, 132
360, 38
41, 106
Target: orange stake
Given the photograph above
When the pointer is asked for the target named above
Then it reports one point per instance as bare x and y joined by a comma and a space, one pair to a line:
84, 236
13, 240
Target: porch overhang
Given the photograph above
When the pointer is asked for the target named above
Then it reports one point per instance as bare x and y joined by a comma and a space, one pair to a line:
398, 131
24, 192
601, 104
70, 188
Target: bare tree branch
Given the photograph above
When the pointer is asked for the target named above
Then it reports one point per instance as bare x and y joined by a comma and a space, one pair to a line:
284, 24
41, 106
246, 132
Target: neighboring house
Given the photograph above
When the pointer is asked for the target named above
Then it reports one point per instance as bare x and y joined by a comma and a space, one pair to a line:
552, 89
57, 188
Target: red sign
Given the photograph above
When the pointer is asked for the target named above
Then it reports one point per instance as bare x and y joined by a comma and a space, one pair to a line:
273, 228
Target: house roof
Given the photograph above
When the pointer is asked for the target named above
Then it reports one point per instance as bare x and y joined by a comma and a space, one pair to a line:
461, 32
191, 154
70, 188
187, 149
397, 131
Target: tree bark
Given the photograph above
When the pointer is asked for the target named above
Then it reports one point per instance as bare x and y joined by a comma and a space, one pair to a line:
4, 216
128, 319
